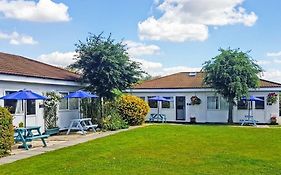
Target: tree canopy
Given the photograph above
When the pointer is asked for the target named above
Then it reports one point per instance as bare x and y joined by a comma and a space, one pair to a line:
105, 65
231, 74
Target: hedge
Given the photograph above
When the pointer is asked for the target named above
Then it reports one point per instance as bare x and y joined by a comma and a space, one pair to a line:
6, 131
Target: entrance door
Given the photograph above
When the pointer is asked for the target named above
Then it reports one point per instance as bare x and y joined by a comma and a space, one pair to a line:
180, 108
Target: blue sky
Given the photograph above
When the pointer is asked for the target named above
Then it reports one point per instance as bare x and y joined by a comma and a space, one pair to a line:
165, 35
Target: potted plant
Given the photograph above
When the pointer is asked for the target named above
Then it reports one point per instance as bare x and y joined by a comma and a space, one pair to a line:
192, 120
272, 98
273, 120
195, 100
50, 113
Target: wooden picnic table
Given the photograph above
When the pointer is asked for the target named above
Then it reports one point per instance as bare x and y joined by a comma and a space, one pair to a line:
248, 119
81, 125
158, 117
28, 134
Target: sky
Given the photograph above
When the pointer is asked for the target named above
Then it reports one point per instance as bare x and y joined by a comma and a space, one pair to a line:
166, 36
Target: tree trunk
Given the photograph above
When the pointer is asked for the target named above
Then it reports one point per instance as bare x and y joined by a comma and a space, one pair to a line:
230, 112
101, 109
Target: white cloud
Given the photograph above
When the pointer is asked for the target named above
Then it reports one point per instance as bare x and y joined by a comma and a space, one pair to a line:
157, 69
17, 39
272, 75
273, 54
185, 20
61, 59
41, 11
137, 49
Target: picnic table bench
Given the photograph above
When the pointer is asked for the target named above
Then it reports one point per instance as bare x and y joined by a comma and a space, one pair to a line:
82, 125
248, 119
25, 135
158, 117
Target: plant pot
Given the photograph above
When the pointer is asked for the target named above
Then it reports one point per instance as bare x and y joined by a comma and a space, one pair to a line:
192, 120
52, 131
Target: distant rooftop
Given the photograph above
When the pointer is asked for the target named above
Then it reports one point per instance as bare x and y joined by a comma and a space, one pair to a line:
21, 66
187, 80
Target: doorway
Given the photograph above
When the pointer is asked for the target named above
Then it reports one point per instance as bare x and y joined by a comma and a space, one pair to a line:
180, 108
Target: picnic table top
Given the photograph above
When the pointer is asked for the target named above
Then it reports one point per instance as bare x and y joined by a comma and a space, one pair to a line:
27, 128
81, 119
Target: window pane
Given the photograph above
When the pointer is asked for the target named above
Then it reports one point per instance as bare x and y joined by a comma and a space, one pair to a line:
242, 104
152, 103
259, 104
31, 107
168, 104
73, 103
212, 102
14, 106
63, 102
143, 98
223, 104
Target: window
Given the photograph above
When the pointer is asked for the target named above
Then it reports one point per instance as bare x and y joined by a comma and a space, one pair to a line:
223, 104
143, 98
73, 103
152, 103
168, 104
212, 102
31, 107
64, 101
259, 104
242, 104
14, 106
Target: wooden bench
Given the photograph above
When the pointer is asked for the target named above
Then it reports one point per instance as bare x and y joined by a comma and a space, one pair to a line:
25, 135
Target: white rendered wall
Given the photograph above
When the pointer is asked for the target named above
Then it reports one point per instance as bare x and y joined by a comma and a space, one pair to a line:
204, 115
37, 119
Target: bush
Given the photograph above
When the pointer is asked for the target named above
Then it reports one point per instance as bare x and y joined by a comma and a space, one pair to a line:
112, 120
6, 131
132, 109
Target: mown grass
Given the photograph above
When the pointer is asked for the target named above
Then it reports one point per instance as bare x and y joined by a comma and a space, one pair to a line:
165, 149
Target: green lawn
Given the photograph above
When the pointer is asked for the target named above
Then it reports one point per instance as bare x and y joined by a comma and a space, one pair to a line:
165, 149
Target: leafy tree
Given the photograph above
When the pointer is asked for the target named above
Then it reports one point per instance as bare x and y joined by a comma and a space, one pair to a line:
105, 65
231, 74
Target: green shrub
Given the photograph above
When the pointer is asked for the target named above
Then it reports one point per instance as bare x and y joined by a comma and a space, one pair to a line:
132, 109
6, 131
113, 122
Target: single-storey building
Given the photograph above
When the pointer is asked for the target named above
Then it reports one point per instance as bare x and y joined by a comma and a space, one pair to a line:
180, 87
17, 72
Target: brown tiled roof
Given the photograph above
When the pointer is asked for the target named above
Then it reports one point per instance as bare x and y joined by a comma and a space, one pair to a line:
21, 66
184, 80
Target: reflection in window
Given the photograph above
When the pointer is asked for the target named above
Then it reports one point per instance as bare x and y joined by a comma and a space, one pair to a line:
64, 101
152, 103
212, 102
223, 104
259, 104
168, 104
242, 104
31, 107
14, 106
73, 103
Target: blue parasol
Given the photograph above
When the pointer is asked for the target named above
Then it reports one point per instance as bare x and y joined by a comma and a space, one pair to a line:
24, 95
80, 94
250, 100
159, 99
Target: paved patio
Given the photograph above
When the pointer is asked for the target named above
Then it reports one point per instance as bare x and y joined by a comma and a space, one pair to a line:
56, 142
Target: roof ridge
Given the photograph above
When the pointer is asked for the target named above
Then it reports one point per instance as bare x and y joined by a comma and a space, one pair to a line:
39, 62
270, 81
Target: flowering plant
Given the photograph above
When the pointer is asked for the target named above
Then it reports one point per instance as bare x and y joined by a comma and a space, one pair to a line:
271, 98
273, 120
195, 100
